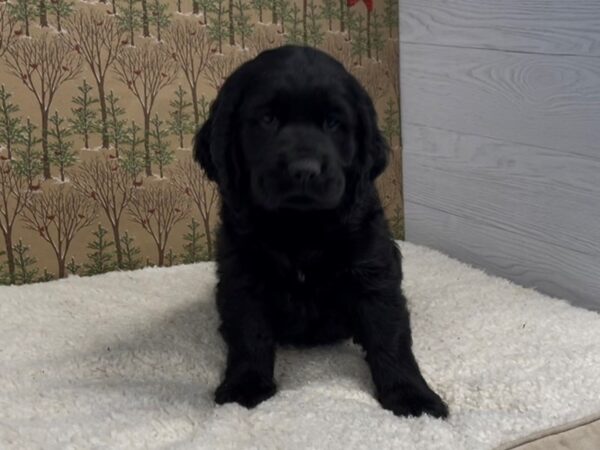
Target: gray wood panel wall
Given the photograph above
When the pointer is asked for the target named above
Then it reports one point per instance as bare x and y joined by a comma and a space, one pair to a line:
501, 129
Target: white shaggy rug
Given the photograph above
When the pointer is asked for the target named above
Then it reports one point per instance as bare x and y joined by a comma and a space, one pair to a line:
130, 360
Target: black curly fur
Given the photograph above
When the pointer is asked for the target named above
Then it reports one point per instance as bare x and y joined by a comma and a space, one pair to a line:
305, 276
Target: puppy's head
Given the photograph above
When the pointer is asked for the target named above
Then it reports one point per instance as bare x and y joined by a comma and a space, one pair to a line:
291, 129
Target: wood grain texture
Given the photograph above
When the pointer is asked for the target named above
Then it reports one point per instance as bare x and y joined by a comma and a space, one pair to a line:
552, 270
535, 193
540, 100
526, 213
501, 125
536, 26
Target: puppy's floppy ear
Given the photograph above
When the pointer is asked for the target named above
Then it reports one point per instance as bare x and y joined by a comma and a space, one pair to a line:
215, 145
202, 154
375, 149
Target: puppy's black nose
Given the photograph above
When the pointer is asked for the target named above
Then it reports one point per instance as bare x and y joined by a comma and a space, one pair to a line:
305, 169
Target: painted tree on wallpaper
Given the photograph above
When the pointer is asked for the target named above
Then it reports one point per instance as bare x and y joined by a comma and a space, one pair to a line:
99, 101
22, 11
84, 120
28, 163
180, 122
193, 250
97, 38
192, 182
111, 187
392, 181
131, 253
218, 27
284, 10
220, 66
145, 21
157, 209
391, 63
162, 155
294, 36
129, 20
313, 34
57, 215
377, 39
14, 195
146, 69
43, 64
11, 128
159, 17
8, 23
133, 159
26, 270
190, 46
43, 13
61, 148
202, 7
117, 125
60, 9
241, 20
100, 259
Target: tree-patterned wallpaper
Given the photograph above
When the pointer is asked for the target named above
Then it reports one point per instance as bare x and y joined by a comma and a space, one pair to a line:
98, 104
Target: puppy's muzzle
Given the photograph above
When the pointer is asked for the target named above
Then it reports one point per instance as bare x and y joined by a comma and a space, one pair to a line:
305, 170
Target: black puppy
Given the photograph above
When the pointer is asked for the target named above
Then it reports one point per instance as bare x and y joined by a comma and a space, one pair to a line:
304, 253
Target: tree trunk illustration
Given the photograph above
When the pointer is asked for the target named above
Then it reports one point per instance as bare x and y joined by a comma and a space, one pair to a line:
61, 148
118, 247
45, 155
205, 13
368, 33
58, 215
190, 181
157, 209
220, 67
43, 64
103, 113
145, 22
111, 187
11, 130
231, 24
194, 91
146, 69
304, 24
14, 195
10, 256
190, 46
147, 158
43, 13
97, 37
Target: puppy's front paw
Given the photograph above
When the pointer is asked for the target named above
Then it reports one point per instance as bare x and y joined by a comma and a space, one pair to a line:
248, 389
411, 400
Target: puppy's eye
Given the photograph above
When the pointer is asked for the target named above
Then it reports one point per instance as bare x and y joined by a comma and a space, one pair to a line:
268, 120
331, 123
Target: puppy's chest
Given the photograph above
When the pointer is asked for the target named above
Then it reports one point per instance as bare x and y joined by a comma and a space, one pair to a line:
308, 308
309, 270
309, 286
304, 274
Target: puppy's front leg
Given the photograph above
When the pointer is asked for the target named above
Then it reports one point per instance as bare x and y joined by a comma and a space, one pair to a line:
383, 329
251, 349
